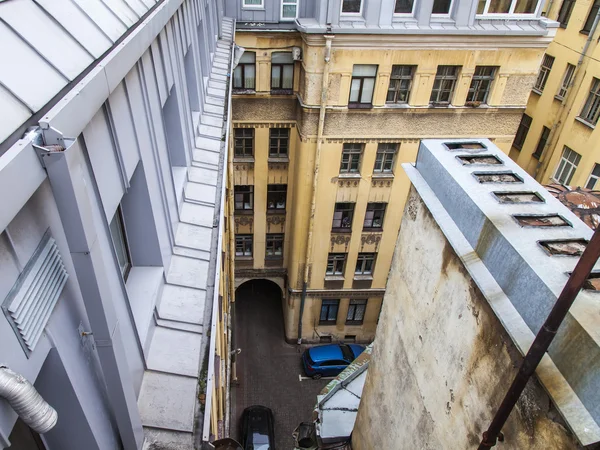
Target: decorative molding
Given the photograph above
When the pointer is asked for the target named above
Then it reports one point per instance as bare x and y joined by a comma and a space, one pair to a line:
348, 182
385, 182
271, 272
243, 220
276, 219
370, 239
265, 125
241, 166
339, 293
283, 165
340, 239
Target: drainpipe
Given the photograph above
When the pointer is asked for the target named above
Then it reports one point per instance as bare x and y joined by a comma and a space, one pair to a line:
26, 401
556, 130
543, 340
313, 202
66, 164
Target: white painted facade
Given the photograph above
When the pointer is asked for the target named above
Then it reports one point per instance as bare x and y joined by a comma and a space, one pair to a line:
130, 98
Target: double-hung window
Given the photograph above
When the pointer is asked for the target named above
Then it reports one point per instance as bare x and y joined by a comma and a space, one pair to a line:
289, 9
244, 75
384, 160
243, 198
541, 143
356, 312
591, 109
365, 264
594, 177
329, 312
566, 82
279, 141
443, 86
336, 263
243, 245
565, 12
404, 6
587, 27
351, 6
400, 84
274, 246
481, 83
243, 145
253, 3
507, 6
567, 166
351, 154
362, 85
342, 216
544, 73
374, 216
522, 132
276, 197
282, 71
119, 238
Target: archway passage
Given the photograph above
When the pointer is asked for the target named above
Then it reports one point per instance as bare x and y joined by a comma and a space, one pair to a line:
268, 367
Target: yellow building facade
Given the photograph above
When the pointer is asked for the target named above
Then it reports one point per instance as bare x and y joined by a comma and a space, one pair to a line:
354, 111
557, 140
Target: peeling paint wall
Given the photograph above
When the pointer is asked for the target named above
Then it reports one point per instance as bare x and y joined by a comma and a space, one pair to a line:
442, 361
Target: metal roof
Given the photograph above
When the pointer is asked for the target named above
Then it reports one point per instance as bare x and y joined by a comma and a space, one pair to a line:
46, 44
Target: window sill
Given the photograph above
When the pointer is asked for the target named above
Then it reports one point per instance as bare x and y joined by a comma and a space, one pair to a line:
536, 156
439, 105
354, 322
360, 106
276, 211
282, 92
341, 230
373, 230
243, 258
243, 91
397, 105
334, 278
330, 323
273, 257
585, 122
350, 175
383, 176
536, 91
243, 159
584, 32
560, 99
275, 159
363, 277
243, 212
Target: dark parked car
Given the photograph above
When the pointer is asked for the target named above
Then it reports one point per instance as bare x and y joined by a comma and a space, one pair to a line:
257, 428
329, 360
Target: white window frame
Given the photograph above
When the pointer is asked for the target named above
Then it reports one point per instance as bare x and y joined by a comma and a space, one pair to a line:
260, 6
448, 14
592, 177
566, 81
511, 10
359, 13
411, 13
565, 163
289, 2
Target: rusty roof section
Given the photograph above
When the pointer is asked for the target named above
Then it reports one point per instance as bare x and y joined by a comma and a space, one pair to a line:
583, 202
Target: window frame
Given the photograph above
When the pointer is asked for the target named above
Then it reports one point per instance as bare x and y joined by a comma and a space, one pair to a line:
121, 230
566, 8
592, 99
380, 207
539, 149
334, 259
519, 132
287, 3
273, 193
243, 65
397, 80
567, 79
594, 177
589, 21
354, 309
359, 104
270, 245
363, 259
245, 6
327, 304
349, 210
385, 152
354, 152
511, 10
359, 13
543, 73
570, 166
280, 66
410, 14
480, 79
244, 239
441, 78
243, 146
279, 139
246, 194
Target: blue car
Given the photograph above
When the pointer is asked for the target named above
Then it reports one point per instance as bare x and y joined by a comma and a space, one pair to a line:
329, 360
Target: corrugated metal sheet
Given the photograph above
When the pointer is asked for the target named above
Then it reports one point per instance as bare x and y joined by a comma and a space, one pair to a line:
48, 43
33, 297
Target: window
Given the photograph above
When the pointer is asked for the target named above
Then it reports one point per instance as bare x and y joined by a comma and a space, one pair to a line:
356, 312
362, 85
244, 75
566, 81
567, 166
253, 3
443, 86
282, 71
329, 312
243, 245
364, 264
384, 161
507, 6
279, 140
289, 9
374, 215
400, 84
274, 246
541, 143
591, 109
565, 12
404, 7
591, 17
119, 238
336, 263
342, 216
522, 132
243, 142
481, 83
243, 197
441, 7
594, 176
351, 6
276, 196
351, 158
544, 73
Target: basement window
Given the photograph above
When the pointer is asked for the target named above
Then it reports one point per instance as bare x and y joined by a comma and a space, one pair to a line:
479, 160
564, 247
522, 197
497, 177
472, 147
541, 220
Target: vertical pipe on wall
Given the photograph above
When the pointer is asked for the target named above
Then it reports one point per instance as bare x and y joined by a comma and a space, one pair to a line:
313, 201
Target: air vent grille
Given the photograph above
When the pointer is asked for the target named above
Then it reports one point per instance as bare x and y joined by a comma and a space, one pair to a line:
30, 302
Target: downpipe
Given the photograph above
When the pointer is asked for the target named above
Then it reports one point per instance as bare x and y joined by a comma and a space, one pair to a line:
26, 401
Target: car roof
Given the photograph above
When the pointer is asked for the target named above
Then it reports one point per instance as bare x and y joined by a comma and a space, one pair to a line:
326, 353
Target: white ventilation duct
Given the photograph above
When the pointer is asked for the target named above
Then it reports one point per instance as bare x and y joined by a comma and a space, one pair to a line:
26, 401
